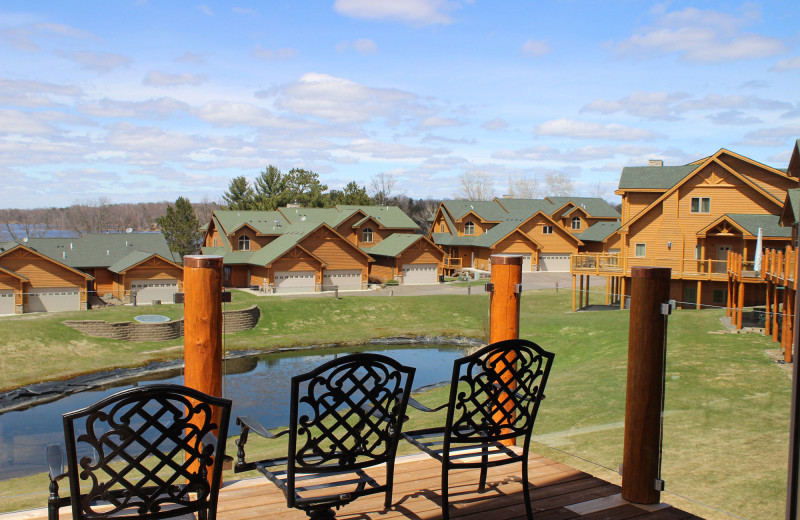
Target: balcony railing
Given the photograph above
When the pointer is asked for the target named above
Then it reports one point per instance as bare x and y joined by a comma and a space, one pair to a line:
613, 264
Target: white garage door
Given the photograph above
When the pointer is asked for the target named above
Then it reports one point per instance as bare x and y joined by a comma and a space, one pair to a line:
526, 262
52, 299
294, 281
6, 302
419, 273
344, 279
558, 263
147, 291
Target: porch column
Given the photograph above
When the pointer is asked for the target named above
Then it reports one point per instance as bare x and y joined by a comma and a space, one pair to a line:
588, 277
775, 312
580, 294
574, 284
730, 285
622, 293
789, 319
768, 306
741, 306
699, 302
608, 290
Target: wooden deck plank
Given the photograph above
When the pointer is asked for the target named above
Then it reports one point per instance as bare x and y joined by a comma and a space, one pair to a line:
558, 492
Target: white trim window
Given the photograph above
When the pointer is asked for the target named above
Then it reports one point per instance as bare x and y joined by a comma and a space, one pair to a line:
547, 230
469, 228
366, 235
640, 250
244, 243
701, 205
576, 222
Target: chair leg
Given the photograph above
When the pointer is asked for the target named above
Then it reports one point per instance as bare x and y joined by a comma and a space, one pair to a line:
321, 513
526, 489
484, 467
445, 492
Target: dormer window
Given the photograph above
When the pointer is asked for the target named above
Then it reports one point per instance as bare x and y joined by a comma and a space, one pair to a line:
366, 235
244, 243
469, 228
547, 230
701, 205
576, 222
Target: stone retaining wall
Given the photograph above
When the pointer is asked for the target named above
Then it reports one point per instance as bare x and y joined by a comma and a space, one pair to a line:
232, 321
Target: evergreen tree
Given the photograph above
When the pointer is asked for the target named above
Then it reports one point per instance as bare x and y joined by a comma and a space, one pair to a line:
270, 189
304, 188
239, 195
181, 228
352, 195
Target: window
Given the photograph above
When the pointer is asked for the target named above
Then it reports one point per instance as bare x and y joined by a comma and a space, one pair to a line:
698, 252
441, 228
641, 250
701, 205
718, 296
244, 243
366, 235
469, 228
215, 242
576, 222
547, 230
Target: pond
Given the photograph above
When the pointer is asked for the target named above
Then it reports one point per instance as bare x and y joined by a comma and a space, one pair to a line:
258, 386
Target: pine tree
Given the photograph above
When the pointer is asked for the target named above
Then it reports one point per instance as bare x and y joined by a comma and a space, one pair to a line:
239, 195
181, 228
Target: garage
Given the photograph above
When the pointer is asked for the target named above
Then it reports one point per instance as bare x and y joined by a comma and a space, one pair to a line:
145, 292
526, 262
344, 279
294, 281
6, 302
557, 263
54, 299
419, 273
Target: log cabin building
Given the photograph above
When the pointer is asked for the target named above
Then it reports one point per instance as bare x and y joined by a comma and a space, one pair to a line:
689, 218
314, 249
544, 231
59, 274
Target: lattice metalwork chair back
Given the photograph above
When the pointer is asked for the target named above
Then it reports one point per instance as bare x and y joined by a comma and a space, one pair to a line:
495, 395
150, 452
345, 417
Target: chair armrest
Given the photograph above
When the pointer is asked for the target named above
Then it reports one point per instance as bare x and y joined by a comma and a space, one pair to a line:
55, 462
413, 403
249, 423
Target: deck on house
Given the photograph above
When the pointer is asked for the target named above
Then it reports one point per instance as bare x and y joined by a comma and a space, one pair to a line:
558, 492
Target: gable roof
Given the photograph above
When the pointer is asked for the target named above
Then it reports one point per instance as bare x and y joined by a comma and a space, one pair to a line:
12, 273
794, 161
11, 246
770, 225
395, 244
653, 177
593, 206
263, 222
487, 210
791, 208
134, 259
600, 231
100, 249
387, 216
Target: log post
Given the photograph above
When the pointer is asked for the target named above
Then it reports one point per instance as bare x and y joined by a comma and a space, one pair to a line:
645, 385
202, 339
504, 300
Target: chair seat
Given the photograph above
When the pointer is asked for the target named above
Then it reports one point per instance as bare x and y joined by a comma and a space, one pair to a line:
324, 489
467, 455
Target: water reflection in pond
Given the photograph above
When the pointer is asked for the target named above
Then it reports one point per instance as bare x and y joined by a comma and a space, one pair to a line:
258, 386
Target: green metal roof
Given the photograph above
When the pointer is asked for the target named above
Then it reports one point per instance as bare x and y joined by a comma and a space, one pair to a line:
129, 261
599, 232
12, 273
594, 206
101, 249
489, 210
393, 245
524, 208
264, 222
769, 224
387, 216
331, 216
653, 177
793, 197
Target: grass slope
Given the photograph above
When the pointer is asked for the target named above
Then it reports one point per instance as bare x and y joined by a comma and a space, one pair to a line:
727, 405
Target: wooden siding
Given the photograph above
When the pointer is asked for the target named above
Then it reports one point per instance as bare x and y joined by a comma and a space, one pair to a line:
106, 282
767, 180
378, 234
41, 271
515, 243
560, 240
334, 250
154, 269
347, 230
421, 252
261, 276
634, 203
382, 269
239, 276
251, 233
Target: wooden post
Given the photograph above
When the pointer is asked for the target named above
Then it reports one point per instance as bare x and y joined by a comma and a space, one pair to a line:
789, 320
608, 290
580, 294
699, 303
768, 306
574, 284
202, 340
622, 293
740, 306
588, 277
775, 312
504, 312
730, 285
645, 386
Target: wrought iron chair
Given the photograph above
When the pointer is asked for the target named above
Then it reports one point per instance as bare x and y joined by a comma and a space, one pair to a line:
148, 452
345, 417
494, 397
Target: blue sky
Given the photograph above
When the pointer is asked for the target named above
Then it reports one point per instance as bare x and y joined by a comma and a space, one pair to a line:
145, 101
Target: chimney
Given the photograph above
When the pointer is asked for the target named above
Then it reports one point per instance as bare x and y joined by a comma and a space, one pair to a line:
655, 162
63, 254
70, 245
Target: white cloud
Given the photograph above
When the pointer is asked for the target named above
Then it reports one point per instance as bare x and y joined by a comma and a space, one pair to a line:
717, 101
205, 10
379, 150
651, 105
497, 123
585, 153
535, 48
788, 64
23, 38
159, 108
774, 137
269, 54
438, 122
97, 61
34, 94
230, 114
193, 57
17, 122
590, 130
733, 117
164, 79
702, 36
244, 11
361, 46
417, 12
343, 101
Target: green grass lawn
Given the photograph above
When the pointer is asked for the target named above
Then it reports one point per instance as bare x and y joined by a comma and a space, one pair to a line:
727, 404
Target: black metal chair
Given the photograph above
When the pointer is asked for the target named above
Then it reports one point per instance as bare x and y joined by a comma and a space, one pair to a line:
151, 452
494, 396
345, 417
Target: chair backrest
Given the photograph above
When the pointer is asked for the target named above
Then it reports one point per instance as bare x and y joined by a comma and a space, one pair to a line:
347, 414
146, 453
495, 392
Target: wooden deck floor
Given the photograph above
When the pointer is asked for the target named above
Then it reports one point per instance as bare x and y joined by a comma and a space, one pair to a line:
558, 492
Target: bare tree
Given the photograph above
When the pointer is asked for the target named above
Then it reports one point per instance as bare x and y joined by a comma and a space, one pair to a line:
597, 190
382, 187
522, 187
89, 216
475, 185
558, 184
